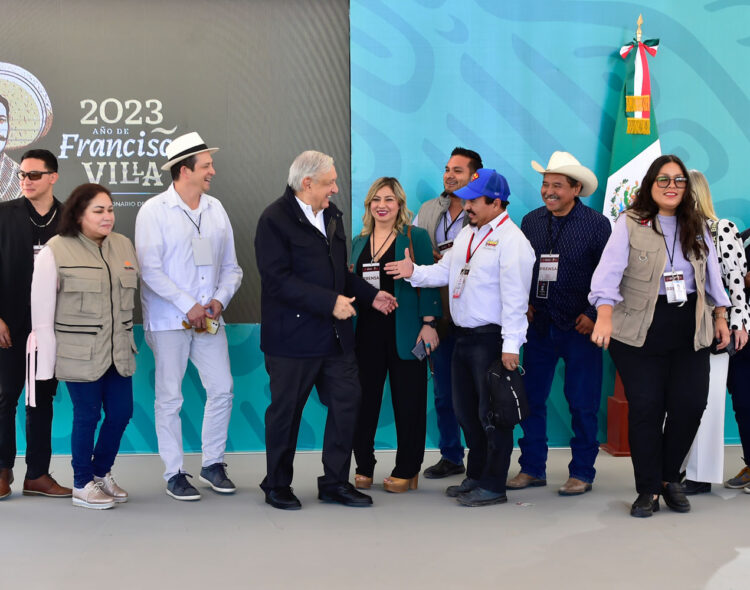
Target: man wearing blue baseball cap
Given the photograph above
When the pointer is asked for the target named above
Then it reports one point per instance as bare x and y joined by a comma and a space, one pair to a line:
488, 273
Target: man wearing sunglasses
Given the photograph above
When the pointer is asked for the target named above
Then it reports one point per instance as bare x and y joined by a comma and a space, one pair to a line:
25, 226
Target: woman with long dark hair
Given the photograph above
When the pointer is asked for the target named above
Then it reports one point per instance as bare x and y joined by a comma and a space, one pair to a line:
655, 289
82, 300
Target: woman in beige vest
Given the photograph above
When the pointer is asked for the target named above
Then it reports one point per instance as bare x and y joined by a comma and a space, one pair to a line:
82, 300
656, 285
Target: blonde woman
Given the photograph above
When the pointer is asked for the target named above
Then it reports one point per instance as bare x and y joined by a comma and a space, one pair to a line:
705, 462
384, 343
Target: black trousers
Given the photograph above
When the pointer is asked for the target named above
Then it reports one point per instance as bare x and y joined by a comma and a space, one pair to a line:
291, 380
38, 419
738, 383
489, 448
666, 385
377, 356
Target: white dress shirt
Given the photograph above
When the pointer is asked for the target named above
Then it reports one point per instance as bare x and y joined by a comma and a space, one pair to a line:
171, 282
316, 220
497, 288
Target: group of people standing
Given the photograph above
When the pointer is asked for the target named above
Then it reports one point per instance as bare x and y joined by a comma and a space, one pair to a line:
446, 293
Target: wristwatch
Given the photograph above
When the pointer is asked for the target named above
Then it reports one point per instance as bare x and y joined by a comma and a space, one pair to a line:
431, 323
723, 314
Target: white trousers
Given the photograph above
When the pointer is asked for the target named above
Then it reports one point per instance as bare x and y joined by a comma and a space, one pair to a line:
705, 461
210, 355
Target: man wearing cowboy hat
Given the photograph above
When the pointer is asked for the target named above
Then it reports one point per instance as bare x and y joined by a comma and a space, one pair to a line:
568, 239
488, 273
185, 248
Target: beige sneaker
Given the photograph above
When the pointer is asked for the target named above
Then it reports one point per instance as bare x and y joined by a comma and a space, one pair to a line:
110, 487
92, 496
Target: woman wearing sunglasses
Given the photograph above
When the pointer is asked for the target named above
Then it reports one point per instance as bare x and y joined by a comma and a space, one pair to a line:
384, 343
82, 300
655, 289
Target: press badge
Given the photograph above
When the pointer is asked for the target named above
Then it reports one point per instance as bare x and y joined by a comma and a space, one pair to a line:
542, 289
443, 246
674, 284
548, 264
371, 273
461, 281
38, 248
202, 252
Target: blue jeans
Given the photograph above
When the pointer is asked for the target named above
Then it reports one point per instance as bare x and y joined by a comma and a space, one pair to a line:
450, 433
489, 450
115, 394
582, 387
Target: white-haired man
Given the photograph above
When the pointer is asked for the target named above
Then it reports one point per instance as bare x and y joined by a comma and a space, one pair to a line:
306, 332
185, 247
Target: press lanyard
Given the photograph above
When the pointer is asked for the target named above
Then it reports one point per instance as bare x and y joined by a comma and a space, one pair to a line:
446, 227
197, 225
372, 237
469, 253
674, 242
550, 244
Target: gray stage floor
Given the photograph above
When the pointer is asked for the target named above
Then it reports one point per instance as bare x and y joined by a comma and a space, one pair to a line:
419, 539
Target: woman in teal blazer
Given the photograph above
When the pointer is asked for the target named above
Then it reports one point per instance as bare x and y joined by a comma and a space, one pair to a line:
384, 343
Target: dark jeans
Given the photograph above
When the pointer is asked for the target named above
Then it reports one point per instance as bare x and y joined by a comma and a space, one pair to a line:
489, 451
291, 380
666, 385
38, 419
377, 356
583, 387
738, 383
449, 442
114, 393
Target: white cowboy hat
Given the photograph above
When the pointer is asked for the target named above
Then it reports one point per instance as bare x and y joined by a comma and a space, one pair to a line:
30, 116
565, 163
184, 146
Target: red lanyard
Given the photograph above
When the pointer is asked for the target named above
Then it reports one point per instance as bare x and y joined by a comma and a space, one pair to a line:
469, 253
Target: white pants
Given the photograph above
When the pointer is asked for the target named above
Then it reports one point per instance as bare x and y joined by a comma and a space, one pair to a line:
210, 355
705, 461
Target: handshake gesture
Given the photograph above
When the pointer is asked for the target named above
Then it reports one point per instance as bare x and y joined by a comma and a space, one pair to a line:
384, 302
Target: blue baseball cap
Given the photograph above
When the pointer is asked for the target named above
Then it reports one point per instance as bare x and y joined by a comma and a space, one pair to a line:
485, 182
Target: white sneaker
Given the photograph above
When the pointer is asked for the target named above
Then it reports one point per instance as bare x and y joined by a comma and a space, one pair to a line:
92, 496
110, 487
746, 490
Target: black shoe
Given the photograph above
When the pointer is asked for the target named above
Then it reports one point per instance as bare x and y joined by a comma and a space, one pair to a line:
344, 493
283, 499
644, 506
691, 488
216, 476
674, 497
481, 497
467, 485
444, 468
180, 489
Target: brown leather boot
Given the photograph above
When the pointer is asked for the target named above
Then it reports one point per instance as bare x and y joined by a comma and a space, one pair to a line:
45, 486
6, 478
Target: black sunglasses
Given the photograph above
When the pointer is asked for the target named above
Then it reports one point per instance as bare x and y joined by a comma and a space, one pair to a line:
31, 175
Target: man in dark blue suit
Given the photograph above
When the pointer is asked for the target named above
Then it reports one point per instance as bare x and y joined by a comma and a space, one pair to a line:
307, 336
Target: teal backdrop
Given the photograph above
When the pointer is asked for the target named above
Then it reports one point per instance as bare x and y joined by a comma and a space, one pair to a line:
514, 80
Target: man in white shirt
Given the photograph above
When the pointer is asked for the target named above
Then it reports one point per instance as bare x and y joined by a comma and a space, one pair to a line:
185, 248
488, 273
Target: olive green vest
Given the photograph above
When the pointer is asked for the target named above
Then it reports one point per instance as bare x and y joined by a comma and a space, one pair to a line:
639, 287
95, 301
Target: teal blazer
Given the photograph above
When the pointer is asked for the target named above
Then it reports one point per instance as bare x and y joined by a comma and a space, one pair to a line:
412, 307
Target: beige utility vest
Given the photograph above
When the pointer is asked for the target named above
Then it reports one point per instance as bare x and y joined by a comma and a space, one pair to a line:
639, 287
95, 302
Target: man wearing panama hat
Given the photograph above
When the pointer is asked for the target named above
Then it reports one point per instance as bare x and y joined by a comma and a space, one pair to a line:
568, 239
185, 247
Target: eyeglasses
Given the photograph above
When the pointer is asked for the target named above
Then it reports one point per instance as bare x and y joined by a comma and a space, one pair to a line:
31, 175
663, 181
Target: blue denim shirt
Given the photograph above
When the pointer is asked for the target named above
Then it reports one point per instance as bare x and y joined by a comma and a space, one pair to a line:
579, 238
